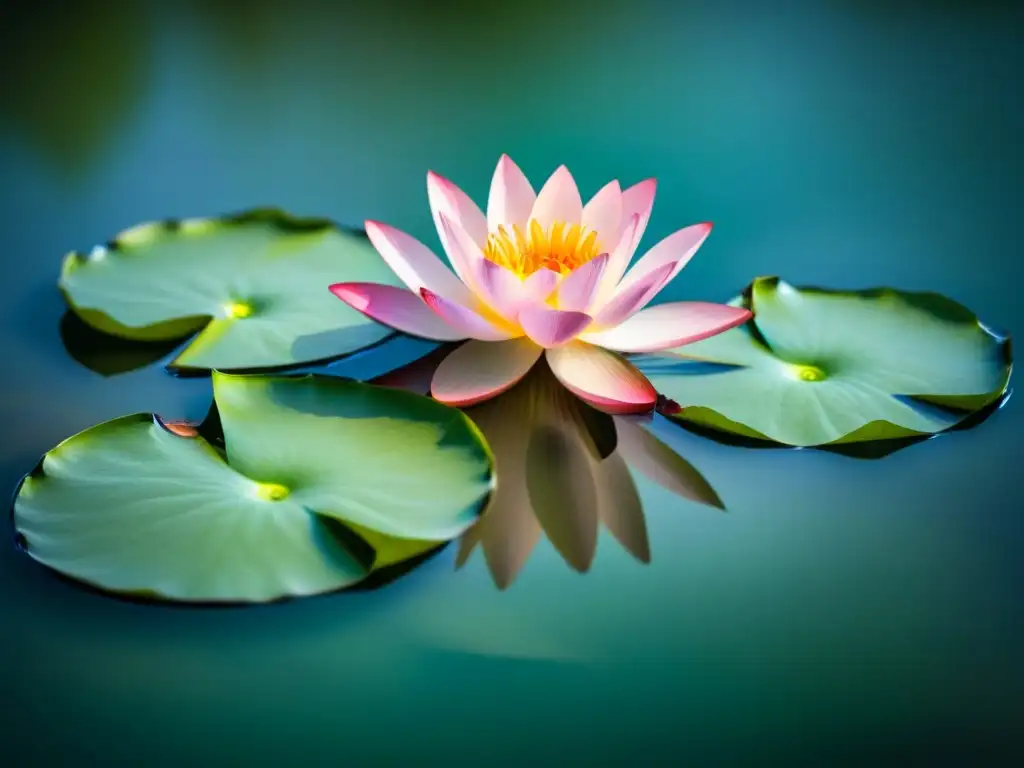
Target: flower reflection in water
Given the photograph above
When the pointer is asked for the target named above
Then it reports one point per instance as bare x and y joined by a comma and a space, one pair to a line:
563, 470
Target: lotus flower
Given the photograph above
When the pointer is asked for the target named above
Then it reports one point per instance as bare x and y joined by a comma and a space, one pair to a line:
541, 273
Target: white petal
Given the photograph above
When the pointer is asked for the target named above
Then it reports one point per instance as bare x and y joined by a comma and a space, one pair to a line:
463, 251
628, 301
618, 260
414, 263
603, 214
668, 325
558, 200
511, 198
638, 201
678, 248
479, 370
448, 199
605, 380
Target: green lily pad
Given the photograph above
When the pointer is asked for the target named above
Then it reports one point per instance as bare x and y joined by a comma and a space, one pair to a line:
134, 506
818, 367
253, 284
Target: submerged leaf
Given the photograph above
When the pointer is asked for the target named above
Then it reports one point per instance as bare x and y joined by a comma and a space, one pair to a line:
316, 470
817, 367
253, 284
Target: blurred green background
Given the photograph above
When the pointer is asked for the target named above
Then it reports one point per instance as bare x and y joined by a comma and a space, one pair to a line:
842, 612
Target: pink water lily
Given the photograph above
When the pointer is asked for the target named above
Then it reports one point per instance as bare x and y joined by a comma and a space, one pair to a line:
541, 273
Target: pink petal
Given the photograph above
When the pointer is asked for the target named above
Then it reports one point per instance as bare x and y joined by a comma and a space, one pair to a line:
638, 201
551, 327
414, 263
511, 198
448, 199
501, 288
579, 287
669, 325
479, 370
628, 301
618, 260
603, 214
397, 308
462, 250
539, 286
471, 324
605, 380
558, 200
678, 248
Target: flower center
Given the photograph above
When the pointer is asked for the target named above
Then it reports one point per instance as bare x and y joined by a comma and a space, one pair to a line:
561, 249
270, 492
808, 373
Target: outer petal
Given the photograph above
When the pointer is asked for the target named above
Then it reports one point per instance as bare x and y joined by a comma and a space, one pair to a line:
511, 198
469, 323
603, 214
618, 260
678, 248
462, 250
628, 301
558, 200
480, 370
603, 379
397, 308
551, 327
414, 263
578, 289
447, 198
669, 325
638, 201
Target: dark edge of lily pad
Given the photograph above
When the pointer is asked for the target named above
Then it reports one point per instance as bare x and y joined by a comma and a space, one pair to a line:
274, 216
868, 449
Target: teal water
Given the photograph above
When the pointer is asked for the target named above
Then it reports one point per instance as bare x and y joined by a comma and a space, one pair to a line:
842, 612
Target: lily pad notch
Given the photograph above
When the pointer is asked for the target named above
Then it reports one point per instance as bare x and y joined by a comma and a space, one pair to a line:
820, 367
319, 482
250, 288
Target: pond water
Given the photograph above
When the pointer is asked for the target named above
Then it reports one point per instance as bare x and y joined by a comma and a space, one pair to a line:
841, 611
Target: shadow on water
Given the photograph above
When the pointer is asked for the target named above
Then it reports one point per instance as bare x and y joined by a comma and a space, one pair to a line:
564, 473
109, 355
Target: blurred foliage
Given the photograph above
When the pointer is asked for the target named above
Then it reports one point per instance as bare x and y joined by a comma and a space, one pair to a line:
72, 71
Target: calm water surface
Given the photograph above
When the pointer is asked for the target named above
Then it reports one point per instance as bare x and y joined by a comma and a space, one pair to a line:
841, 611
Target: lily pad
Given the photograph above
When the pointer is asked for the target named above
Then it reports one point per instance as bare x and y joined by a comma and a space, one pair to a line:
253, 284
134, 506
818, 367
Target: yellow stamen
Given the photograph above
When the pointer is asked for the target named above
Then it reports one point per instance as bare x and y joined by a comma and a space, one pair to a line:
270, 492
808, 373
561, 249
238, 310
